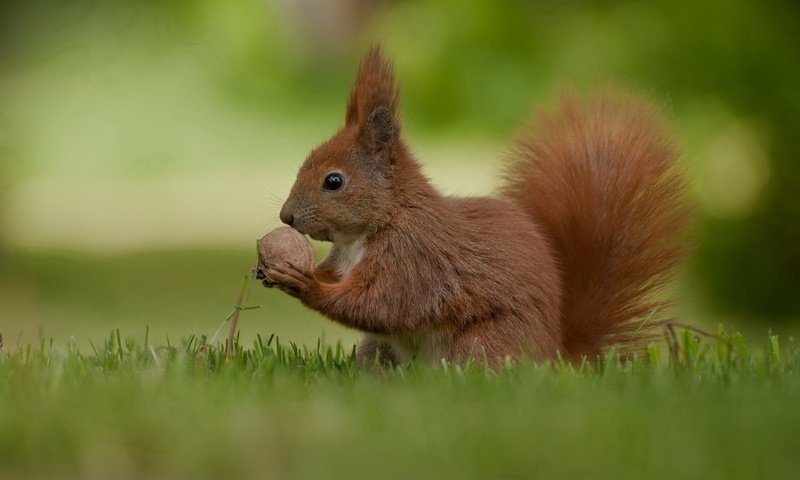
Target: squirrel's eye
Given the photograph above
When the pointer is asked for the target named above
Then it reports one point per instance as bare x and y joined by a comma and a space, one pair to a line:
334, 181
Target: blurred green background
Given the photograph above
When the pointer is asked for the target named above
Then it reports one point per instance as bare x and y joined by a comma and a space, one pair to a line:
145, 145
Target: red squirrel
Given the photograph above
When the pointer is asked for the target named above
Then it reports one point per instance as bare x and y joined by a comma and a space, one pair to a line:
565, 260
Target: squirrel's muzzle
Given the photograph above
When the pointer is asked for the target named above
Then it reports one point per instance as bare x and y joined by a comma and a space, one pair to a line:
286, 216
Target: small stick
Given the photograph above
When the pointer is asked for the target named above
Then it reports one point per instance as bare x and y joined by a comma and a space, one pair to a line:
669, 323
672, 339
235, 319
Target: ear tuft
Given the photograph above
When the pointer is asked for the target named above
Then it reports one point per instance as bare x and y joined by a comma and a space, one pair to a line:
380, 131
374, 88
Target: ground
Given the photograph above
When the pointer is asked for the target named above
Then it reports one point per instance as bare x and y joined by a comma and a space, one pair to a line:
127, 408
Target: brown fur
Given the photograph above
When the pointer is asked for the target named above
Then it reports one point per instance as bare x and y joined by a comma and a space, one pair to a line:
565, 261
599, 176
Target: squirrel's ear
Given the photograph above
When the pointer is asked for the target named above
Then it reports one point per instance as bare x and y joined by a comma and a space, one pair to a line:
380, 132
374, 88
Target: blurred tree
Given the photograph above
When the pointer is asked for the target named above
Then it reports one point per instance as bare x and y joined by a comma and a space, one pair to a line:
481, 63
745, 54
329, 27
730, 70
4, 185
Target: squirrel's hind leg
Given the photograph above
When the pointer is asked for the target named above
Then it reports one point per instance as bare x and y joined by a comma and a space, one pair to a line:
372, 349
501, 339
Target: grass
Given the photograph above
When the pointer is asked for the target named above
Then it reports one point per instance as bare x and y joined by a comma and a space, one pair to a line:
128, 408
143, 406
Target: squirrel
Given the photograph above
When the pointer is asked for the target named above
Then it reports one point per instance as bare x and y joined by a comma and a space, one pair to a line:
565, 262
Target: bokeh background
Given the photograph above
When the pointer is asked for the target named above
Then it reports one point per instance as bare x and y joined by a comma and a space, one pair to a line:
145, 145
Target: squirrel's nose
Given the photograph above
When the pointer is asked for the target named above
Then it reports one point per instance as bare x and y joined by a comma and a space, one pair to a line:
286, 217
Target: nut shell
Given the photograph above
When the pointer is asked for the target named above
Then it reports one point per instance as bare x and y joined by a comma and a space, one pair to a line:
285, 244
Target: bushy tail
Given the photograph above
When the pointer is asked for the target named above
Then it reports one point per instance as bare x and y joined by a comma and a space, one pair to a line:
599, 176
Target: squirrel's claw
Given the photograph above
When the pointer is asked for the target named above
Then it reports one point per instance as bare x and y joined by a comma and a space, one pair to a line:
259, 273
291, 279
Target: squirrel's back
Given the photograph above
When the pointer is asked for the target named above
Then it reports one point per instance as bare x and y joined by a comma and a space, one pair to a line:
599, 176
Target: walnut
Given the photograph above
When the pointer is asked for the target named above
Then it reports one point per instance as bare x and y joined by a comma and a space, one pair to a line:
284, 244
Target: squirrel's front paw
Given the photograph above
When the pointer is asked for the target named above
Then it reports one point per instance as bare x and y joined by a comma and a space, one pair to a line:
292, 280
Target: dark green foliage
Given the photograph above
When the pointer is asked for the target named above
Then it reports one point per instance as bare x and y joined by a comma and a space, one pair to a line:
469, 70
474, 70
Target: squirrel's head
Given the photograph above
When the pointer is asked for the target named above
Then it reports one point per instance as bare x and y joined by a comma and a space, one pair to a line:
344, 188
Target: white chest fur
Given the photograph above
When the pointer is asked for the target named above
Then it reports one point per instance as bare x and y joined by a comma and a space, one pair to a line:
348, 255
